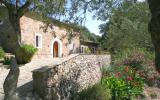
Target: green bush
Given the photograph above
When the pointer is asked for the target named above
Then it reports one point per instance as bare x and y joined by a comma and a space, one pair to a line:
7, 61
97, 92
117, 87
141, 55
123, 82
140, 60
27, 52
2, 53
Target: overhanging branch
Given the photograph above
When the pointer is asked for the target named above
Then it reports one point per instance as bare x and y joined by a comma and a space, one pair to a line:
24, 8
8, 5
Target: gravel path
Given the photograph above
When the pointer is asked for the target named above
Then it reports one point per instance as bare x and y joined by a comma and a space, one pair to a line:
25, 77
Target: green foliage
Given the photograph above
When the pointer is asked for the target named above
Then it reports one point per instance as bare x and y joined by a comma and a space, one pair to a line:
27, 52
137, 58
2, 53
123, 83
7, 61
141, 60
129, 53
117, 87
86, 35
48, 7
127, 27
70, 35
97, 92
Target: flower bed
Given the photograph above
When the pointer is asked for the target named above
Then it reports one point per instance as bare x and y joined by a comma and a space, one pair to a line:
123, 82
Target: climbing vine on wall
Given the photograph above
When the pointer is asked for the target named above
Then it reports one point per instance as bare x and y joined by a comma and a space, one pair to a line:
70, 36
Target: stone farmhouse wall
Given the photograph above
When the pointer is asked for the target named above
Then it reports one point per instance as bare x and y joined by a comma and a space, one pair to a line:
31, 27
62, 81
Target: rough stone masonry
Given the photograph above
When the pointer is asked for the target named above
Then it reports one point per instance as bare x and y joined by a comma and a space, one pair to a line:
62, 81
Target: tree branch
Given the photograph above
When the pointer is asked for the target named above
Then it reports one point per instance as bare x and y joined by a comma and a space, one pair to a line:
1, 1
24, 8
17, 4
8, 5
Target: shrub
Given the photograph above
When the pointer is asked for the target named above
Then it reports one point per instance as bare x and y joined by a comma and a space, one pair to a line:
141, 60
27, 52
97, 92
123, 82
2, 53
135, 61
7, 60
139, 55
116, 86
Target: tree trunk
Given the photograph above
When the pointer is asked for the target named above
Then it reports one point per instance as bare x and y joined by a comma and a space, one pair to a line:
10, 84
154, 29
15, 13
14, 19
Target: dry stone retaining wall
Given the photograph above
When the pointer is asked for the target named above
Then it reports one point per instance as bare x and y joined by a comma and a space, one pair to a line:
64, 80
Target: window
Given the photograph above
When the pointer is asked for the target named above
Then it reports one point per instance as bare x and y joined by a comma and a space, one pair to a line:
38, 41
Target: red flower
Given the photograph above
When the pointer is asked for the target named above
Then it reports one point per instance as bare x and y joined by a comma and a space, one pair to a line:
129, 78
126, 69
118, 74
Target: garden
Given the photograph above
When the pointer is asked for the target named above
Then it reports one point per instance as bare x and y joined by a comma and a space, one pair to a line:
130, 77
132, 73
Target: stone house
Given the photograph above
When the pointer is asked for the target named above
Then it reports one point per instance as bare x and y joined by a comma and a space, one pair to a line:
55, 39
88, 47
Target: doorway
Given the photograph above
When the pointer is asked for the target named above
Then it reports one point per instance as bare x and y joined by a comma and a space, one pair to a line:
55, 49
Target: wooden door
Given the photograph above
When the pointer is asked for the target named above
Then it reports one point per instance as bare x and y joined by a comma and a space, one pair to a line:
55, 49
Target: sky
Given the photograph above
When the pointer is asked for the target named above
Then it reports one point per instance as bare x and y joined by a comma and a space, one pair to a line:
92, 25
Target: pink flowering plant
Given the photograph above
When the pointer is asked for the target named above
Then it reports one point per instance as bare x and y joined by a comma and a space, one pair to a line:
123, 82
